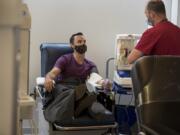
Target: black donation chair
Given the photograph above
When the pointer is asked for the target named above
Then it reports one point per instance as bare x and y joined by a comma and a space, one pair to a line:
50, 52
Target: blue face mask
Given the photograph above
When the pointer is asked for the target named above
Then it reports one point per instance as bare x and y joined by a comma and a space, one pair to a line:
150, 22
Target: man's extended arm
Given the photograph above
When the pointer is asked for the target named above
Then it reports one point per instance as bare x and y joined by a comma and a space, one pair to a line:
50, 77
134, 55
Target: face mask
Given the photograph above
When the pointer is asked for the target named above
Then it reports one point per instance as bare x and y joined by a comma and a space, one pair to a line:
81, 49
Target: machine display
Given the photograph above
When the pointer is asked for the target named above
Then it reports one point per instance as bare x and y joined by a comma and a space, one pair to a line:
124, 44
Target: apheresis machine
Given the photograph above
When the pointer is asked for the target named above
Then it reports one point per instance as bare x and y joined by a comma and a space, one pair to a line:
124, 45
124, 98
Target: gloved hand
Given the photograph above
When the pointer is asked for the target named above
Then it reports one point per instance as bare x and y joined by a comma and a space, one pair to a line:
106, 84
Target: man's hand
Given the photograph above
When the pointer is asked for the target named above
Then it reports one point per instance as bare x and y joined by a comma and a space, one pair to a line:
49, 84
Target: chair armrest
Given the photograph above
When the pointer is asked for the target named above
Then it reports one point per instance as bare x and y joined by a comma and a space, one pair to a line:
39, 90
40, 86
45, 96
41, 80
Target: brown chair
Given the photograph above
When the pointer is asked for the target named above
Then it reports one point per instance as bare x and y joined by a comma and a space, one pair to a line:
156, 86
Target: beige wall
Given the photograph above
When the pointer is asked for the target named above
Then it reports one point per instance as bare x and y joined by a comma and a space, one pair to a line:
99, 20
178, 20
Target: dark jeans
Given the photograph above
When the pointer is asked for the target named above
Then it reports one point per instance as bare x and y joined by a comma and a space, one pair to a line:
67, 101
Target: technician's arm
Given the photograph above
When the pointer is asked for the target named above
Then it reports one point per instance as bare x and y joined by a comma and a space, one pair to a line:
134, 55
50, 77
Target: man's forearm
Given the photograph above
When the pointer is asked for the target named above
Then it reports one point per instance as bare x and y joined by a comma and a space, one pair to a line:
134, 55
50, 75
53, 73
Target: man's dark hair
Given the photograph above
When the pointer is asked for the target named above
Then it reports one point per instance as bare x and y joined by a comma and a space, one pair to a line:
157, 6
71, 40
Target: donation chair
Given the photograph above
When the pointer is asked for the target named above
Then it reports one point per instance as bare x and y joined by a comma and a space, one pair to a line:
50, 52
156, 86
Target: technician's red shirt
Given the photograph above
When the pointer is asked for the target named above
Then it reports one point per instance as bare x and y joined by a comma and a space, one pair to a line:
162, 39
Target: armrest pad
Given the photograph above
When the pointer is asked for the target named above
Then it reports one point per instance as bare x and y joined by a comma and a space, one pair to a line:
40, 80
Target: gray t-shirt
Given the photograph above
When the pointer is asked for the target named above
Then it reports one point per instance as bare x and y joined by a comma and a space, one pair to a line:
70, 68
